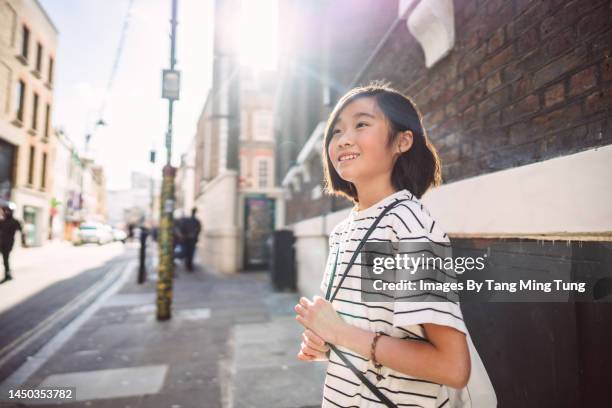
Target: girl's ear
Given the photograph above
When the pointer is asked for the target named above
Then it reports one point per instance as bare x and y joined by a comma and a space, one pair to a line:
404, 141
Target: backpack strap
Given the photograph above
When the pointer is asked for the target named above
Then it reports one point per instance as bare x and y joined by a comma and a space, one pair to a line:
382, 397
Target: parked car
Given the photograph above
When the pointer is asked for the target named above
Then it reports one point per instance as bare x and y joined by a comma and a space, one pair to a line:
119, 235
94, 233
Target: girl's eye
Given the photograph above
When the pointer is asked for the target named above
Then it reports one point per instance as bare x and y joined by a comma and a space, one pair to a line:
335, 131
360, 124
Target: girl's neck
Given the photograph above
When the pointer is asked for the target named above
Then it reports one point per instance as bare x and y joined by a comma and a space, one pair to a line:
373, 193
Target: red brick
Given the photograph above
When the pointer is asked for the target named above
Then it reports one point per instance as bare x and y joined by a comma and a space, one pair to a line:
472, 58
557, 119
533, 14
472, 41
595, 21
528, 105
494, 81
561, 42
554, 95
493, 22
436, 117
520, 109
471, 76
450, 155
450, 109
555, 69
521, 5
470, 96
518, 133
527, 41
582, 81
599, 100
520, 87
497, 40
606, 69
512, 72
469, 10
469, 115
549, 25
493, 119
493, 6
497, 60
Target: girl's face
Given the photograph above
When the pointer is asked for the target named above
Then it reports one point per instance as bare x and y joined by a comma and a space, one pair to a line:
359, 149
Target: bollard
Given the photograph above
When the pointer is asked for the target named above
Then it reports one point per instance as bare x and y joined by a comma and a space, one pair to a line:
142, 269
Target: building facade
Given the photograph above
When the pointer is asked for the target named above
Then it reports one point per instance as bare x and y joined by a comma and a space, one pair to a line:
66, 202
260, 202
517, 98
28, 43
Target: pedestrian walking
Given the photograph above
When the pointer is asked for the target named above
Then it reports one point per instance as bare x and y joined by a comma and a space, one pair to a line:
190, 228
8, 228
398, 352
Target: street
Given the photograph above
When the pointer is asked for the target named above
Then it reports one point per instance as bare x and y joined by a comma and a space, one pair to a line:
231, 341
46, 280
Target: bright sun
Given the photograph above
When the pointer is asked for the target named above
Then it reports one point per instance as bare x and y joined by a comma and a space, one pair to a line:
258, 33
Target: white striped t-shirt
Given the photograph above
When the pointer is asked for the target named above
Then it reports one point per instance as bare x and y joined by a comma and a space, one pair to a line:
408, 222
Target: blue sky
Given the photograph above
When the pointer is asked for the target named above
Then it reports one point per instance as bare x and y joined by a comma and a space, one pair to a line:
89, 33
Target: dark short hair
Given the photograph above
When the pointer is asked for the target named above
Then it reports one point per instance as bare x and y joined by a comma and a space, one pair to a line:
417, 169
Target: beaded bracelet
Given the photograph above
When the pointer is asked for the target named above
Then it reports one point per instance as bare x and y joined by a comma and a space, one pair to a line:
377, 365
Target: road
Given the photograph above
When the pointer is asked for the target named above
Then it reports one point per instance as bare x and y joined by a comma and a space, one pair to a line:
51, 285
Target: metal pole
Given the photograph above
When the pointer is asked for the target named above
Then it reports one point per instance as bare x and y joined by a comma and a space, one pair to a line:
166, 222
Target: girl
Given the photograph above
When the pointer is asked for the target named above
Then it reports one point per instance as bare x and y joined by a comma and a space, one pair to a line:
416, 353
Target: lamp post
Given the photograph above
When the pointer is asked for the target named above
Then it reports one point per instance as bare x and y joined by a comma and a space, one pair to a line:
170, 91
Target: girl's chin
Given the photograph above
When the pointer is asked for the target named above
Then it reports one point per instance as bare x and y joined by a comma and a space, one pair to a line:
347, 177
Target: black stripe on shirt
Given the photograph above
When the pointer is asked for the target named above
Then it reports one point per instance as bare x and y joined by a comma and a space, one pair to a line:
429, 308
397, 377
395, 298
416, 394
358, 394
338, 405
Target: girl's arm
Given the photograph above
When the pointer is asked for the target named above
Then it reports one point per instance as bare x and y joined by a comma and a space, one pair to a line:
444, 360
313, 347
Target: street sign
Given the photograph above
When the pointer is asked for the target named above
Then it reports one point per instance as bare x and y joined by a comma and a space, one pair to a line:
171, 84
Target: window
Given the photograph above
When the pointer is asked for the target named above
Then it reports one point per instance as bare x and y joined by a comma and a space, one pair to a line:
43, 181
25, 41
20, 102
35, 112
262, 126
244, 125
50, 73
8, 22
31, 167
262, 173
47, 120
39, 52
6, 82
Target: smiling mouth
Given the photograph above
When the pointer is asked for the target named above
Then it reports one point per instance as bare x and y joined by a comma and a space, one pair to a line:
347, 157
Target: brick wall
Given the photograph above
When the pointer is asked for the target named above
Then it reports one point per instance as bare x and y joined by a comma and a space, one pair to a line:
526, 81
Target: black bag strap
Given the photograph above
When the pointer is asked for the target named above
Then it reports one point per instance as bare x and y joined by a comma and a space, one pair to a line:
359, 247
382, 397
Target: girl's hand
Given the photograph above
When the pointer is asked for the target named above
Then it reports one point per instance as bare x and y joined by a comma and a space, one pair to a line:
313, 347
320, 317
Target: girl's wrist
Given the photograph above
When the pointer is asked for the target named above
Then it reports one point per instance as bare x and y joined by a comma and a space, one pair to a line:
342, 334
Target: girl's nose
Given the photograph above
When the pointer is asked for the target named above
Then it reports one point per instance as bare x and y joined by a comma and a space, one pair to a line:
345, 140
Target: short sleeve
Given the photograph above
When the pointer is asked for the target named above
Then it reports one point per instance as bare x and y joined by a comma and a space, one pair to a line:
414, 224
331, 256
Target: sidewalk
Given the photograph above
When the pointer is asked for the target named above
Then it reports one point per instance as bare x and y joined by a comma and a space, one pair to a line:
232, 342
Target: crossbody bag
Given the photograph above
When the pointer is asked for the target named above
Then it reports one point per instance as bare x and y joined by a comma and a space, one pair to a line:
330, 297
